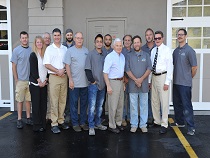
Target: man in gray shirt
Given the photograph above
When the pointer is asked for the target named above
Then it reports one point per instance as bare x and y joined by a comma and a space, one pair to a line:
138, 68
21, 71
96, 91
74, 61
185, 67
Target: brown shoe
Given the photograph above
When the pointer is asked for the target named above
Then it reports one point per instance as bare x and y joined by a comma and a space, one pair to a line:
124, 123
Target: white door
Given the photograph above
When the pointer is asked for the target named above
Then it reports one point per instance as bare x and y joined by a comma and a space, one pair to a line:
6, 78
194, 16
113, 26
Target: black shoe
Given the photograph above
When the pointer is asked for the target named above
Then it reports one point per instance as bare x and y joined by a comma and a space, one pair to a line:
121, 128
156, 125
19, 124
114, 130
64, 126
55, 130
41, 130
163, 130
29, 121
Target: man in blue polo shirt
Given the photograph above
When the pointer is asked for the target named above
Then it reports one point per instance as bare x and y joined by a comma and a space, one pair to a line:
185, 67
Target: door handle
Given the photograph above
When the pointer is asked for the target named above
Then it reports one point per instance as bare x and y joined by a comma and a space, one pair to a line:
177, 19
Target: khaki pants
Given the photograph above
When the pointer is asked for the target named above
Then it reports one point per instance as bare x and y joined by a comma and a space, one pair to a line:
58, 94
116, 103
160, 99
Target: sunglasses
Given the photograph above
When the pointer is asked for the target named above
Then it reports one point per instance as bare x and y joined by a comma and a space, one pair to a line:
158, 38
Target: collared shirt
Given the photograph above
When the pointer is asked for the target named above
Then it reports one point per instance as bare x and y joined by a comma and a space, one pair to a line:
75, 58
138, 63
164, 62
114, 65
147, 49
105, 51
125, 52
95, 63
54, 56
184, 58
20, 57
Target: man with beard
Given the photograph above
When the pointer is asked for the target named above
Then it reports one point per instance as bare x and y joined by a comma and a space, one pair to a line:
69, 43
149, 35
106, 49
138, 68
69, 39
185, 67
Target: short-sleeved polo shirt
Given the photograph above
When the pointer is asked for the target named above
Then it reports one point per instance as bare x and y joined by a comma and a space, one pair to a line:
54, 56
75, 58
184, 58
138, 64
20, 57
145, 48
95, 63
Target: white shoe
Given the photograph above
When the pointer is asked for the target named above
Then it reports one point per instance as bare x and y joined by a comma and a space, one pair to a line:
101, 127
91, 132
144, 129
133, 129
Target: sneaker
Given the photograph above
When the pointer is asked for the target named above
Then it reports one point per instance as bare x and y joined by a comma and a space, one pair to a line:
144, 129
191, 132
77, 128
133, 129
177, 125
64, 126
29, 121
101, 127
91, 132
19, 124
124, 123
55, 130
84, 127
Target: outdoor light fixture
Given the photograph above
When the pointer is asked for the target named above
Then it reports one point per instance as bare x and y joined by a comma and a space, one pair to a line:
43, 2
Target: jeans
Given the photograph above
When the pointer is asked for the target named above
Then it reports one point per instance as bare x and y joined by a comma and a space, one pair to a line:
143, 104
74, 96
183, 109
95, 100
126, 111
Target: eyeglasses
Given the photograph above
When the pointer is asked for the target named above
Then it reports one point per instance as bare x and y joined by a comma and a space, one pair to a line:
180, 35
158, 38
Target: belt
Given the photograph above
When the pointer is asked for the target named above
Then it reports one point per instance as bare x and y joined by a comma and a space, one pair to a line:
158, 74
56, 74
119, 79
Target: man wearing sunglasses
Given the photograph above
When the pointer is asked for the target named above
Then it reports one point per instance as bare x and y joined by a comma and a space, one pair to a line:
160, 78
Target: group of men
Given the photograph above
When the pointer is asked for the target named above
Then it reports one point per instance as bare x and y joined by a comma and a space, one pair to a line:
126, 72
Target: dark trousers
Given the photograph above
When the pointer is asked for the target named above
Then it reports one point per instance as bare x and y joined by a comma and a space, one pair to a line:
74, 96
182, 105
103, 106
39, 106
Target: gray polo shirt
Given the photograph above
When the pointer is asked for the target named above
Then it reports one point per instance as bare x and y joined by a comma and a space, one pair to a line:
125, 52
184, 59
145, 48
75, 57
105, 51
95, 63
138, 64
20, 57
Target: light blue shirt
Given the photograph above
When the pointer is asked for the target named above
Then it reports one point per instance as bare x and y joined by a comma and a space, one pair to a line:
114, 65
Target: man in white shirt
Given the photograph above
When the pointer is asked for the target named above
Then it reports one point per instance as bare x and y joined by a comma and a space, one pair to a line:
53, 61
161, 76
113, 75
